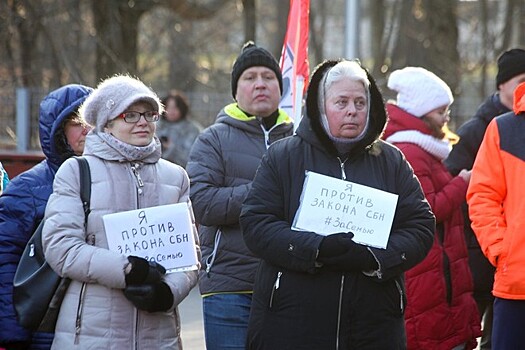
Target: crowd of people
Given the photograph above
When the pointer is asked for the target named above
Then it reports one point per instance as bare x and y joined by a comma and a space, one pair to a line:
451, 271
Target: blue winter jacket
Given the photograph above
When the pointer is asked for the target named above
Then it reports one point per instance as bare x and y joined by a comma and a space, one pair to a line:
23, 203
5, 178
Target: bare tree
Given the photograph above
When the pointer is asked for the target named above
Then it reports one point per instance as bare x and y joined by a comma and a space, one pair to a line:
182, 65
521, 23
250, 19
117, 26
380, 36
117, 21
281, 11
317, 29
506, 34
24, 20
484, 16
428, 37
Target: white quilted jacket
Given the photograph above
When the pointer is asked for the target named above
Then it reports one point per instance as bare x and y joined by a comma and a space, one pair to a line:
95, 313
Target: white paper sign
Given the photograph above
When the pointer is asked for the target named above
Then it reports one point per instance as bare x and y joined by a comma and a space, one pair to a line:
163, 234
329, 205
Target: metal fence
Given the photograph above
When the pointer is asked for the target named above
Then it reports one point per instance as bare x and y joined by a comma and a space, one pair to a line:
204, 109
8, 113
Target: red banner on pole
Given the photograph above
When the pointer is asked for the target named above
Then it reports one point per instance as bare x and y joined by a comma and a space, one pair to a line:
294, 59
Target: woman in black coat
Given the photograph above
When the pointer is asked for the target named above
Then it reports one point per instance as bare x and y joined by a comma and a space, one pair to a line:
315, 291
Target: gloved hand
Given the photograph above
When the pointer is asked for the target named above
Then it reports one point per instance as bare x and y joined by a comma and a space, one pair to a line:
150, 297
144, 271
334, 244
355, 258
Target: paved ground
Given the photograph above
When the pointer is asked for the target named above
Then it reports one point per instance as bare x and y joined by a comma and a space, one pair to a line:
192, 330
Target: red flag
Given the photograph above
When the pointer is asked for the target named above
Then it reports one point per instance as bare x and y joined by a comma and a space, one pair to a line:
294, 59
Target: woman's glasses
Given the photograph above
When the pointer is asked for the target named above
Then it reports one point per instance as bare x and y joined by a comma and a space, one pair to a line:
133, 117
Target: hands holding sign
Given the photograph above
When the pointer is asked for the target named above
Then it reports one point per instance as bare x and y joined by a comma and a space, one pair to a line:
143, 271
339, 252
144, 286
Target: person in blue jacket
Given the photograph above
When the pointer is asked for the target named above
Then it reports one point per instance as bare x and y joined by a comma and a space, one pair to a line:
22, 204
4, 178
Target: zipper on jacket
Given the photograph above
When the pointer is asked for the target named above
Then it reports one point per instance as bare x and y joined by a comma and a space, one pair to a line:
266, 136
338, 331
90, 239
276, 285
136, 327
400, 290
342, 165
78, 320
267, 141
135, 170
211, 258
339, 311
32, 250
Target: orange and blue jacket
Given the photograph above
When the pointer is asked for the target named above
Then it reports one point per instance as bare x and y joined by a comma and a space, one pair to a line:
496, 199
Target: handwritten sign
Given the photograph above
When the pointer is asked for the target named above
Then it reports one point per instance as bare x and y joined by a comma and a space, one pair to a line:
163, 234
329, 205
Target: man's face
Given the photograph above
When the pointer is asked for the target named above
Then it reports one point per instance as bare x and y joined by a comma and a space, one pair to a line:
258, 91
506, 89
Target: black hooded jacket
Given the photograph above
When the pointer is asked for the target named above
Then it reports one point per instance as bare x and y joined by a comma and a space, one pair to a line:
471, 134
461, 157
296, 303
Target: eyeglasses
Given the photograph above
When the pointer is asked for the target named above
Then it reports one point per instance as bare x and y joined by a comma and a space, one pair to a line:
133, 117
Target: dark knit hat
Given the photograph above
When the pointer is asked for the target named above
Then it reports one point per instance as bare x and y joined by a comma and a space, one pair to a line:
510, 64
252, 56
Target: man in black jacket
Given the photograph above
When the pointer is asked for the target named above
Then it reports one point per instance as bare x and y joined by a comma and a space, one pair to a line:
222, 164
511, 72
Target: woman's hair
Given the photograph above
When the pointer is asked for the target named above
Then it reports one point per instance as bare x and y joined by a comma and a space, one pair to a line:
181, 101
440, 132
346, 70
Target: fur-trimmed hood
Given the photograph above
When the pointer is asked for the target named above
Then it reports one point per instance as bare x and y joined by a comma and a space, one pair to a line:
310, 127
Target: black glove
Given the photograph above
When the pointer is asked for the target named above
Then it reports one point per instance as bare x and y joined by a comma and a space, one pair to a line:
356, 258
150, 297
144, 271
335, 244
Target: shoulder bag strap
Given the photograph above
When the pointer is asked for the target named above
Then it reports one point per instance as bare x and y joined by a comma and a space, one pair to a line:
85, 185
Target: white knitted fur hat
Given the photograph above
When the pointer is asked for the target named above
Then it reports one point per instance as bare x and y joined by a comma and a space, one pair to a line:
112, 96
419, 91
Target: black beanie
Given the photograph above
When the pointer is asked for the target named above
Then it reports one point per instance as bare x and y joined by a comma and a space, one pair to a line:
510, 64
251, 56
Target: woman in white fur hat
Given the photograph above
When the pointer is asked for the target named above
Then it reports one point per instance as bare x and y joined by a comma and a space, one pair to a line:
116, 300
441, 312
